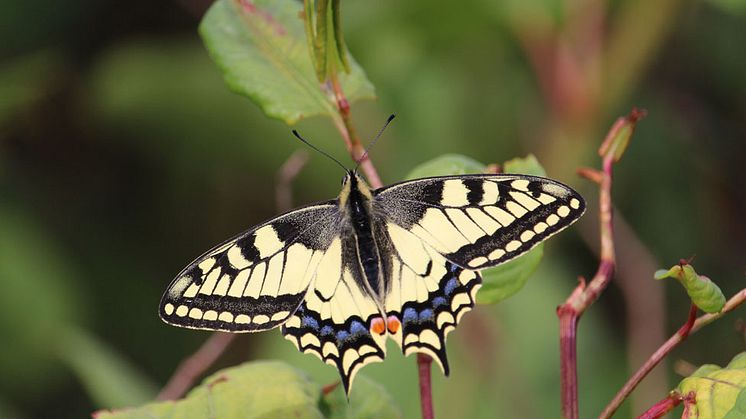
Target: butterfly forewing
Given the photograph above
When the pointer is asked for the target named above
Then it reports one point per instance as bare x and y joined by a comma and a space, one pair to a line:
256, 280
441, 230
479, 221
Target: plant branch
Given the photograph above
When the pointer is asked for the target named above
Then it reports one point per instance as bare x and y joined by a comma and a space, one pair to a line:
651, 363
426, 393
285, 176
584, 295
663, 406
730, 305
344, 125
195, 365
692, 325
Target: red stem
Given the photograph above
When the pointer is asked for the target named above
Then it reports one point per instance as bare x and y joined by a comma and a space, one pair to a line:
568, 363
195, 365
426, 394
582, 297
349, 135
662, 407
651, 363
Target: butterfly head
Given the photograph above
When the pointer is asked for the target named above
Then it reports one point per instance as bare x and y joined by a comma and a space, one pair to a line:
354, 185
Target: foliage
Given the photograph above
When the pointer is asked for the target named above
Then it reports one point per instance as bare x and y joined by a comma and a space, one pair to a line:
719, 392
266, 389
261, 48
703, 292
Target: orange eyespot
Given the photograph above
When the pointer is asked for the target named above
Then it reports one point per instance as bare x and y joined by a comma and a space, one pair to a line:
377, 326
393, 324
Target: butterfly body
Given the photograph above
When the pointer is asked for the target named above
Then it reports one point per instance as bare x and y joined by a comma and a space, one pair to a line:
398, 262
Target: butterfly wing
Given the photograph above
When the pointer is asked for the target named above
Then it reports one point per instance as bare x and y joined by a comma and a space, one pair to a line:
441, 230
339, 321
256, 280
479, 221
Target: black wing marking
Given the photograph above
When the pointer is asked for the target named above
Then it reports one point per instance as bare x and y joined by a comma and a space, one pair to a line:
256, 280
478, 221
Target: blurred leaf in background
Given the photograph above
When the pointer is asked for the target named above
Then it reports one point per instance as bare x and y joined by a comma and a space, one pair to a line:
261, 48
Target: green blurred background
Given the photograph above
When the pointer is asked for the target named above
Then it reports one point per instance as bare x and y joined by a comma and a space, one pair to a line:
123, 155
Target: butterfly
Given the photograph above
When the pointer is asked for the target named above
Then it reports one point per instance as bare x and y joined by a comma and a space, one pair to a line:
401, 262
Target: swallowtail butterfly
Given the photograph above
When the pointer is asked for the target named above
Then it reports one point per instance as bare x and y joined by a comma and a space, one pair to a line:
399, 262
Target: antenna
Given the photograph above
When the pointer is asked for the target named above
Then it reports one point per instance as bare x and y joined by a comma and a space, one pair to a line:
372, 143
320, 151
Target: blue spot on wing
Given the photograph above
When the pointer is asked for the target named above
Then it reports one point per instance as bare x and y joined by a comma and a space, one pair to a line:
326, 330
309, 321
439, 301
450, 286
342, 335
357, 328
410, 315
426, 314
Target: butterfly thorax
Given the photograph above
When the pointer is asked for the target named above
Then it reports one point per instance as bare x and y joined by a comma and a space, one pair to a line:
355, 201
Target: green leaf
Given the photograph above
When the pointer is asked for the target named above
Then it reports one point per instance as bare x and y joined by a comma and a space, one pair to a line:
260, 47
267, 389
251, 390
704, 293
504, 280
368, 400
528, 165
109, 380
719, 392
447, 164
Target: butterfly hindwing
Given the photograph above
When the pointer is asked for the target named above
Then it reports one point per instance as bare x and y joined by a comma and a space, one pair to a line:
426, 295
479, 221
256, 280
339, 321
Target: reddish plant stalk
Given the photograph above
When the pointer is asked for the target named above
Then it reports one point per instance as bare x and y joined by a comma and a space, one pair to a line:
662, 407
426, 394
651, 363
195, 365
568, 366
583, 296
352, 140
691, 326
